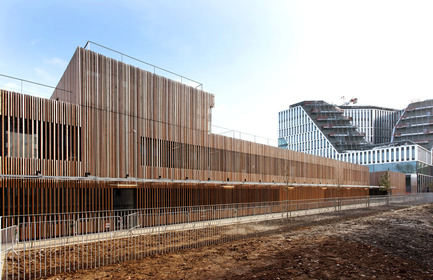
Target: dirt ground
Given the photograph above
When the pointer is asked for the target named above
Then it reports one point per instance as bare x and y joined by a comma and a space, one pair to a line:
384, 244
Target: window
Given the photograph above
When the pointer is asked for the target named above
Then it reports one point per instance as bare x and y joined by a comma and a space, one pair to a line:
413, 152
20, 138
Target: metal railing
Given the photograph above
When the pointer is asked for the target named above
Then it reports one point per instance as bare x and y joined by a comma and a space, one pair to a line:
215, 129
27, 86
183, 79
42, 245
8, 238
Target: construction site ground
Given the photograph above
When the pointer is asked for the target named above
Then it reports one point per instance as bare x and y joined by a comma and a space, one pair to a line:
379, 243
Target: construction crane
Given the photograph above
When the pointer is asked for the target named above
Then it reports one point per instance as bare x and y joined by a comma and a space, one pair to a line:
351, 101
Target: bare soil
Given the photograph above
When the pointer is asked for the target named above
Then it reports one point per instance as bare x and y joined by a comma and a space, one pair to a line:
385, 244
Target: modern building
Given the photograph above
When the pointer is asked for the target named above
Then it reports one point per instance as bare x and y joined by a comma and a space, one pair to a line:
376, 123
416, 124
115, 136
319, 128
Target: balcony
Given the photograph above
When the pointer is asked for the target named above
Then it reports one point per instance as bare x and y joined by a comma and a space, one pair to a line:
337, 126
410, 109
417, 116
329, 118
426, 131
407, 125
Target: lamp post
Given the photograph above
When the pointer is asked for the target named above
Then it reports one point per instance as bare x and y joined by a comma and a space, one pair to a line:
289, 206
288, 188
368, 199
338, 195
324, 196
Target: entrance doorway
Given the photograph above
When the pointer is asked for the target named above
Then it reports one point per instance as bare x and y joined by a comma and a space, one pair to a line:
124, 199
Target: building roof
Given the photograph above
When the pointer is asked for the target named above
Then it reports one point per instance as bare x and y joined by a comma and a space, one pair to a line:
336, 127
348, 107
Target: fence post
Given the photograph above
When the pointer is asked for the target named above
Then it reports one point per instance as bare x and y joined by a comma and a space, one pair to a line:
1, 250
290, 210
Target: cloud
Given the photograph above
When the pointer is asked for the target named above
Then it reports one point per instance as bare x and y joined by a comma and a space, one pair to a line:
26, 88
55, 61
10, 86
35, 41
43, 74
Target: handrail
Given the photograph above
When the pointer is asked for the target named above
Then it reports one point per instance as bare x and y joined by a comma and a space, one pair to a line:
31, 82
149, 64
228, 205
243, 135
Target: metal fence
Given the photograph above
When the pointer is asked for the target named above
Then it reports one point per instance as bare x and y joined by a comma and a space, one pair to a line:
41, 245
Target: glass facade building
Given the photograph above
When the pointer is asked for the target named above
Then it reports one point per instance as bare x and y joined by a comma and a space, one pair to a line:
376, 123
416, 124
360, 135
299, 133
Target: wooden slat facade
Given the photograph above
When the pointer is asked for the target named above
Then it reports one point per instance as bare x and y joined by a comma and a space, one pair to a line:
398, 181
47, 196
113, 120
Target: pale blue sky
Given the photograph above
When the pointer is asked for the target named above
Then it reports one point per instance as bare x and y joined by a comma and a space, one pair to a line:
257, 57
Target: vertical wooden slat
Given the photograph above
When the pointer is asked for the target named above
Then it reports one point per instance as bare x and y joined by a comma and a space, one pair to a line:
122, 120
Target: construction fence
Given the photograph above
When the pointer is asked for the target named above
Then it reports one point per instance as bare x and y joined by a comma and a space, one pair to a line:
37, 246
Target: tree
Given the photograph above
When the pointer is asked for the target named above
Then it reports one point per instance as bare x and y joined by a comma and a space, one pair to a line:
384, 183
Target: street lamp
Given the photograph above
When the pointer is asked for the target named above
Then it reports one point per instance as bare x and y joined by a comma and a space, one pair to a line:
338, 194
289, 210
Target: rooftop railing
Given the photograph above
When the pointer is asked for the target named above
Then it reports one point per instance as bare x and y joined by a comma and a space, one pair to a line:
27, 87
243, 136
144, 65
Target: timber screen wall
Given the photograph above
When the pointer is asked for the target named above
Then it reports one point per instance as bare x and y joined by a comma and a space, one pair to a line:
114, 121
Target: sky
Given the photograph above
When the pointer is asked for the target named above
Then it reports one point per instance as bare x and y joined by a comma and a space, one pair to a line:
257, 57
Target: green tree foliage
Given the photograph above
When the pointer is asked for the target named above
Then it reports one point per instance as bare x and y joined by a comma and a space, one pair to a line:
384, 183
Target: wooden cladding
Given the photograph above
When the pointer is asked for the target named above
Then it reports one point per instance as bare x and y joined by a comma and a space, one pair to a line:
24, 138
112, 120
398, 181
170, 154
138, 124
54, 145
38, 135
45, 196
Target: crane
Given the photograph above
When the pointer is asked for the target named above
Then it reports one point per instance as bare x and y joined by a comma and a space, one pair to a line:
353, 100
